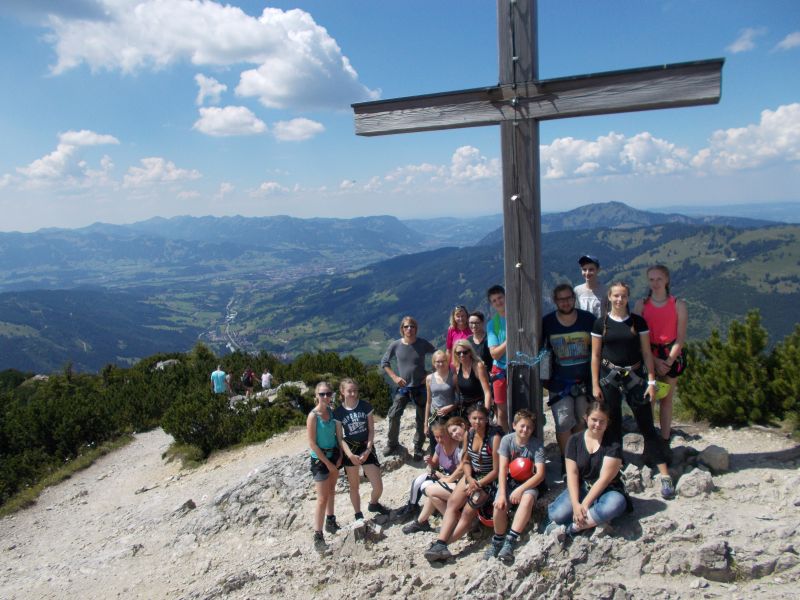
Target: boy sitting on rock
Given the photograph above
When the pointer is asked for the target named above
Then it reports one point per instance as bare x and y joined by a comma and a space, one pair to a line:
522, 472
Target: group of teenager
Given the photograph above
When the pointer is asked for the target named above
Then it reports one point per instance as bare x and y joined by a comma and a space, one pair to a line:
602, 353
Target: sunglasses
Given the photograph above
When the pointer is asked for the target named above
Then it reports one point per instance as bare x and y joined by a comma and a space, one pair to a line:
325, 394
409, 326
462, 352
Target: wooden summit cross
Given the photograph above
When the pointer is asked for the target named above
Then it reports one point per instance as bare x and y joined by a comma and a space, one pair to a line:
517, 104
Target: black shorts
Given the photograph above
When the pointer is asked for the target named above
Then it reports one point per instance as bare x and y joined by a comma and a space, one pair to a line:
319, 469
359, 448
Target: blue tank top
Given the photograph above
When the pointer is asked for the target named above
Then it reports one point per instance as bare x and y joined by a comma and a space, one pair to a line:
326, 433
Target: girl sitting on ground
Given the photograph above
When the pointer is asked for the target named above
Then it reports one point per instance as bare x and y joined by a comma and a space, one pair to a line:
445, 471
325, 461
595, 492
480, 463
355, 430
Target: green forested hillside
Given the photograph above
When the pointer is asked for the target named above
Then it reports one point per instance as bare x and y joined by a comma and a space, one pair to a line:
721, 272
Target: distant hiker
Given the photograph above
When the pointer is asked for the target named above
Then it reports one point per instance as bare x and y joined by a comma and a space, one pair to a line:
591, 295
622, 366
477, 487
477, 325
458, 330
355, 430
595, 492
219, 381
496, 336
248, 381
520, 479
409, 352
472, 378
567, 331
667, 318
440, 403
266, 379
325, 461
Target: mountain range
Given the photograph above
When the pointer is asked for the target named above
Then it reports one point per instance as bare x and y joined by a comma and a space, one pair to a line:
116, 293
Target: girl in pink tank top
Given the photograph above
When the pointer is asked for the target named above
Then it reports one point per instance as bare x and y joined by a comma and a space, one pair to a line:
667, 319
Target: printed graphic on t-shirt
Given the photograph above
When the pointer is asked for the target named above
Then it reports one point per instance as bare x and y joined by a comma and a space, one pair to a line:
572, 348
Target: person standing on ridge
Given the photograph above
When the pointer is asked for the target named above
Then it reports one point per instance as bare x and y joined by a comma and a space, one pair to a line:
266, 379
496, 336
567, 331
409, 352
591, 295
219, 381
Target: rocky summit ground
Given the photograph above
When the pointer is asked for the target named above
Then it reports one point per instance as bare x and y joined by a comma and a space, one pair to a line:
135, 526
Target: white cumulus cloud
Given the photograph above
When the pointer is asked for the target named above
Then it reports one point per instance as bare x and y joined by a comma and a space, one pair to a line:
225, 188
293, 61
790, 41
227, 121
775, 138
746, 40
296, 130
467, 164
64, 160
209, 89
612, 154
269, 188
157, 170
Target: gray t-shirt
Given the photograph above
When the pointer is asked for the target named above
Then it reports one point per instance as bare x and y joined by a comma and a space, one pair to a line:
594, 301
410, 360
511, 450
442, 394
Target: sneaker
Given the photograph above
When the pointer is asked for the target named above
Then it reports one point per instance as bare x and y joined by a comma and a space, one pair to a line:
557, 531
391, 449
416, 527
667, 487
377, 507
437, 551
359, 516
319, 542
409, 511
506, 554
331, 526
493, 549
417, 457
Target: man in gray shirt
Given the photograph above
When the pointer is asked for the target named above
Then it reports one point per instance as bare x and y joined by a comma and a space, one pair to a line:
409, 352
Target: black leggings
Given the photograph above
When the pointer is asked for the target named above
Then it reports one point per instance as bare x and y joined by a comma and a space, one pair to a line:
642, 412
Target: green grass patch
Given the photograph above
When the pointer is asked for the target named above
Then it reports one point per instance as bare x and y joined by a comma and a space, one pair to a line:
28, 496
190, 455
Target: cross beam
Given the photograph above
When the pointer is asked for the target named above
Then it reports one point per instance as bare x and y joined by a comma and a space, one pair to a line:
667, 86
517, 104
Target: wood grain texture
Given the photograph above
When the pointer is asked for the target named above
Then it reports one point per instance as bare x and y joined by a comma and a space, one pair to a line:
666, 86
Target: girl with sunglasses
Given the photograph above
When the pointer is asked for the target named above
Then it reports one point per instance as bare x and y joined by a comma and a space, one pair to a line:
325, 461
472, 377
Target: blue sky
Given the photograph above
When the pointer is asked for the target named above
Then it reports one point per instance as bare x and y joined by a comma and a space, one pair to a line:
120, 110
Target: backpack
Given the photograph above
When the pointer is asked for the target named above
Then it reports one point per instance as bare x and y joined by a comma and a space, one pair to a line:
247, 378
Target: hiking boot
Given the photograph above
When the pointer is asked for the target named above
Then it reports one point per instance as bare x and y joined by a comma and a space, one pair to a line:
409, 511
416, 527
437, 551
391, 449
319, 542
359, 516
493, 549
377, 507
331, 526
506, 554
667, 487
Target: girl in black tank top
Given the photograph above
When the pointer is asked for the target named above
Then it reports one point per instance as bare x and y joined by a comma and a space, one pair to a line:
474, 388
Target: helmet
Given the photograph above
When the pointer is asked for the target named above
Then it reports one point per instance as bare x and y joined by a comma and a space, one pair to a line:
486, 514
521, 468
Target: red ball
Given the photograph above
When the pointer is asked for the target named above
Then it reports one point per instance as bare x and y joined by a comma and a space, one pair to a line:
521, 468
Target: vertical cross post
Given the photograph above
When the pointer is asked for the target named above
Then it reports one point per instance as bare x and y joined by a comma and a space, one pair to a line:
519, 139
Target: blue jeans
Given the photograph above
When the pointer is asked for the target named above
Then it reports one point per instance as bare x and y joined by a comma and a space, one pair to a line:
608, 506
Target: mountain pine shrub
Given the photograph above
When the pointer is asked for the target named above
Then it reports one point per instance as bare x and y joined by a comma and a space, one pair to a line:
785, 382
727, 382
